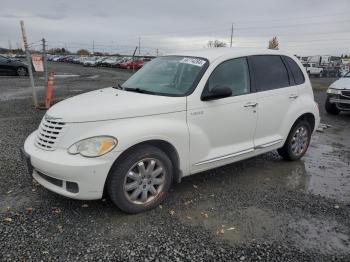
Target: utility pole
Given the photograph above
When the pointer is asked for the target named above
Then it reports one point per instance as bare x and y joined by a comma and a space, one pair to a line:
133, 59
10, 47
93, 47
231, 35
157, 52
45, 60
29, 61
139, 46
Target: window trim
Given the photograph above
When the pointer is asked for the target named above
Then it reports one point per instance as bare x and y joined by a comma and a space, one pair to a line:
206, 86
255, 88
284, 58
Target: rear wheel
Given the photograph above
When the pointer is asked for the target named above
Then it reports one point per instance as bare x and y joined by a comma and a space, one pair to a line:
21, 71
331, 108
297, 141
141, 180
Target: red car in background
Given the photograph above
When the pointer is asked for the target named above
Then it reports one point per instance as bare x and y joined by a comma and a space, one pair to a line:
136, 64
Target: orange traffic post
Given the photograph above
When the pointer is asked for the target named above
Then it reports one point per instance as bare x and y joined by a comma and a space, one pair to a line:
49, 89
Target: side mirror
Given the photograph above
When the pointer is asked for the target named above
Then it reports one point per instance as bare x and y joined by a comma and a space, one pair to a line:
216, 93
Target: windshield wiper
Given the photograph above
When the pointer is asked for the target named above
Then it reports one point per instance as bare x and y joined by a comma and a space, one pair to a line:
118, 87
138, 90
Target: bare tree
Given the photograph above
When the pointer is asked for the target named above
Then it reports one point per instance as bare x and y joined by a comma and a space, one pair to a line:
216, 43
273, 43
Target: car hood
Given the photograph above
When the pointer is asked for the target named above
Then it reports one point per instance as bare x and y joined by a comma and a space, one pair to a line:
342, 83
110, 103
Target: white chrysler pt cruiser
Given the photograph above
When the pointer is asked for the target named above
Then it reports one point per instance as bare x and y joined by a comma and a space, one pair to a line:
179, 115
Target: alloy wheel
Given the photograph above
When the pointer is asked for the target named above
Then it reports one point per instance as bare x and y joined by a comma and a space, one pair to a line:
144, 181
21, 71
300, 141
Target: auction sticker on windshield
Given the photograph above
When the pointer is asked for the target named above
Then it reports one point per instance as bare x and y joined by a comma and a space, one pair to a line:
193, 61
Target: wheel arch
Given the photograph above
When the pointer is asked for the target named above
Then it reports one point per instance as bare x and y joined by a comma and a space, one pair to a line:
163, 145
308, 117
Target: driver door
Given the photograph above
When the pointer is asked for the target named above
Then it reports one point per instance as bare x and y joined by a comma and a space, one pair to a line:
222, 130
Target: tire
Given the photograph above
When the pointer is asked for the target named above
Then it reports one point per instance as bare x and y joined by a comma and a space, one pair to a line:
21, 71
331, 108
137, 171
297, 141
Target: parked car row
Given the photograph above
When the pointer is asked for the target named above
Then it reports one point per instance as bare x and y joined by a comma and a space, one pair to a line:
106, 61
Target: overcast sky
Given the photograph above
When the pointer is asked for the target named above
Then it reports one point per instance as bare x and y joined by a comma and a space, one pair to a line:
304, 27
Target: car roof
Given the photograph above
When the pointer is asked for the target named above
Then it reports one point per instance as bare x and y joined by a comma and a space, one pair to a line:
214, 53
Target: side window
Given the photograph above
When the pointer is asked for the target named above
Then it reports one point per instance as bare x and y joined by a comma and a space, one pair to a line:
296, 71
269, 72
232, 73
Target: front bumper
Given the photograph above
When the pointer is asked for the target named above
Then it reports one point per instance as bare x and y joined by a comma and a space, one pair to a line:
72, 176
342, 104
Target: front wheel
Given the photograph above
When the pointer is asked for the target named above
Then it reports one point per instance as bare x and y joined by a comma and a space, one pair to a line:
297, 141
21, 71
141, 180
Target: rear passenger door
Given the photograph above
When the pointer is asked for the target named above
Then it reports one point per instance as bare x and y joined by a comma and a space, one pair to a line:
276, 92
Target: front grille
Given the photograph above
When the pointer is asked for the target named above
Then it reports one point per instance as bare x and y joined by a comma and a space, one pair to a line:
343, 106
345, 94
49, 133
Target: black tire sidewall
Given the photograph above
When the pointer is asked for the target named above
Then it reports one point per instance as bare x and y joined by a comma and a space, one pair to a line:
290, 153
331, 108
115, 182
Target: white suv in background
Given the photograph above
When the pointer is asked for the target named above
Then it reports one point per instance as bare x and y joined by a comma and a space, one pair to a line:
177, 116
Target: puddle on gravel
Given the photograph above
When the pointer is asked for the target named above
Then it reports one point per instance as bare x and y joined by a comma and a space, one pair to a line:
327, 168
244, 225
18, 93
326, 236
238, 226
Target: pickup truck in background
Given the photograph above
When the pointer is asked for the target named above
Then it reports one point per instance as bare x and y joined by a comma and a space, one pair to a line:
313, 70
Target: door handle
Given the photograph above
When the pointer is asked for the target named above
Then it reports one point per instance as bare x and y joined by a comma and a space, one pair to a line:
293, 96
251, 104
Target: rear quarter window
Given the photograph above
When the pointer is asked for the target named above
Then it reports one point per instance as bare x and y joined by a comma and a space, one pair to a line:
296, 71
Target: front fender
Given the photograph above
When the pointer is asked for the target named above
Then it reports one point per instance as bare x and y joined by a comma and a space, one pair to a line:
171, 128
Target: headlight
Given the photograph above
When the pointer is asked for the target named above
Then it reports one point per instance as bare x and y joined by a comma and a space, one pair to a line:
333, 91
93, 146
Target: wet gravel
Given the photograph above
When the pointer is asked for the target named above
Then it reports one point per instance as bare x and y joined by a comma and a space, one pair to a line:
259, 209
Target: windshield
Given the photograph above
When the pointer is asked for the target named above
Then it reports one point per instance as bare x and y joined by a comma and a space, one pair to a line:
347, 74
168, 75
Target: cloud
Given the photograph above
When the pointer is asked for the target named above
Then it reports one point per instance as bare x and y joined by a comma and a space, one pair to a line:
182, 24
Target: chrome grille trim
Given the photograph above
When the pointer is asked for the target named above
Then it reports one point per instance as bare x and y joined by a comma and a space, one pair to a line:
49, 134
346, 94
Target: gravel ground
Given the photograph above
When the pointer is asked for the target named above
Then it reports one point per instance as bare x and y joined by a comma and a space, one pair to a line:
259, 209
